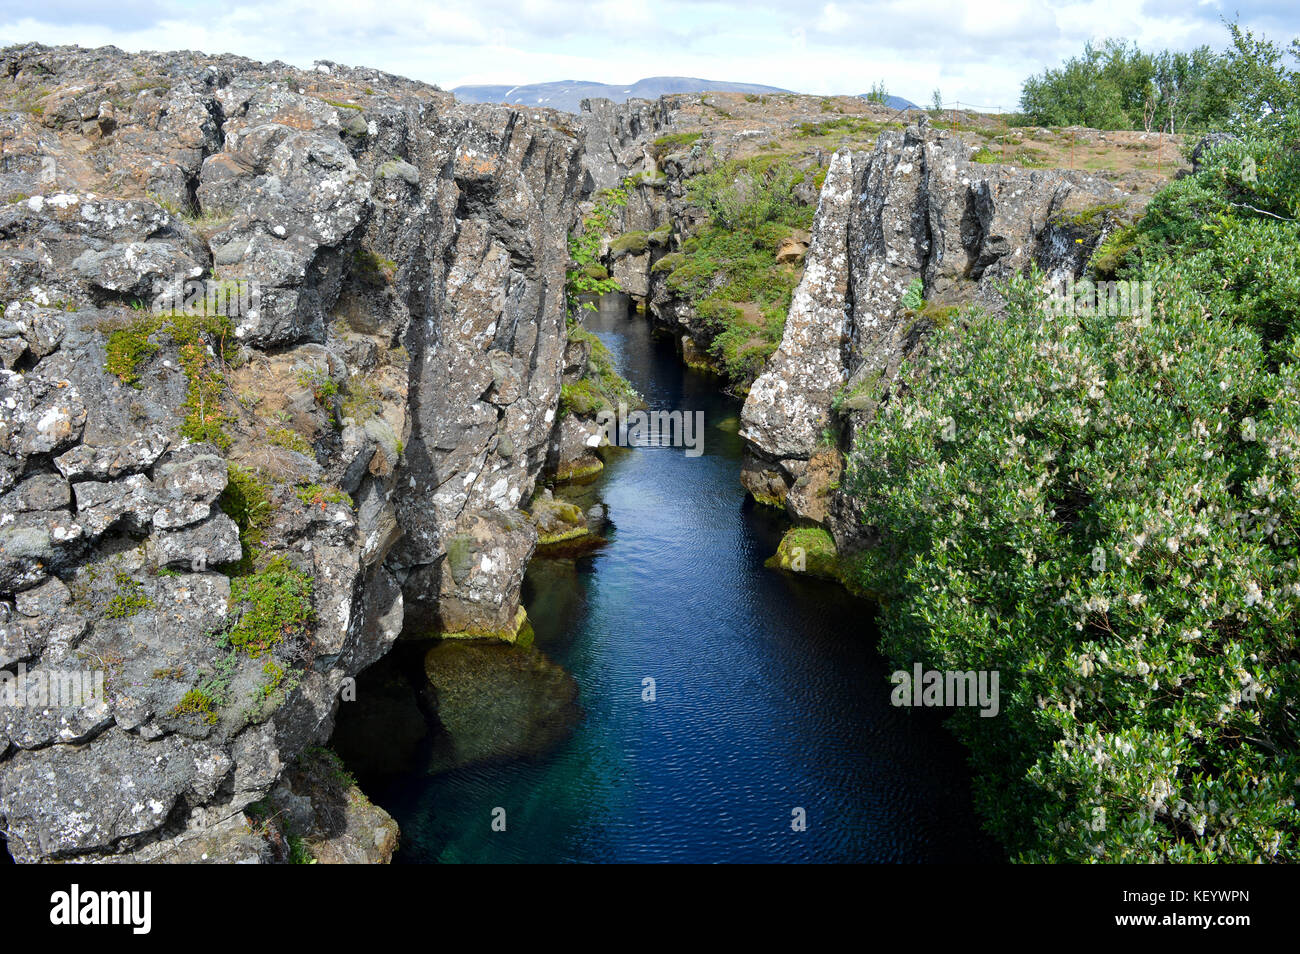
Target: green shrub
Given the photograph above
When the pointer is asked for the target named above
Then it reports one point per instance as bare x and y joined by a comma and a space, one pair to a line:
1104, 510
587, 276
272, 605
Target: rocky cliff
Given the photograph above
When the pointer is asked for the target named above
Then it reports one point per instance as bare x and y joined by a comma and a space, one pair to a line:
306, 327
915, 214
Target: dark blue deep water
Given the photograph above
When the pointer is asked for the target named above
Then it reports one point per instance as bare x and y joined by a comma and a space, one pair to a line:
771, 695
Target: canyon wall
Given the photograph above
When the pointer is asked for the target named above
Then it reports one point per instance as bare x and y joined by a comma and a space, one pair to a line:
914, 213
362, 430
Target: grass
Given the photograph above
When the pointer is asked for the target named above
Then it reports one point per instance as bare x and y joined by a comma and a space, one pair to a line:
1089, 218
247, 501
373, 269
844, 126
323, 388
317, 495
673, 142
197, 702
363, 400
729, 271
289, 439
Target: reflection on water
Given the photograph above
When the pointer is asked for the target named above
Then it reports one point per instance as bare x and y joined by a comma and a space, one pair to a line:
769, 695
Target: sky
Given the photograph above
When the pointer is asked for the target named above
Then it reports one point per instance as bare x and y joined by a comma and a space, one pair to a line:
976, 53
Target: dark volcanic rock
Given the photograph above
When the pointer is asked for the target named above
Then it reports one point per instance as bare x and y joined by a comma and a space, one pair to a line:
916, 209
391, 264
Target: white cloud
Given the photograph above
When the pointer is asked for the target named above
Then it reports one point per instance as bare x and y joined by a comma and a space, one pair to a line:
977, 51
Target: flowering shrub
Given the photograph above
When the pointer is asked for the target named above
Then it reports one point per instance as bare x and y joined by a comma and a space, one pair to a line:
1106, 510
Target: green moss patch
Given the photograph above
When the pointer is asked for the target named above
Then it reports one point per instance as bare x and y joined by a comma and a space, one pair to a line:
273, 605
601, 387
671, 143
520, 633
206, 344
807, 550
129, 599
630, 243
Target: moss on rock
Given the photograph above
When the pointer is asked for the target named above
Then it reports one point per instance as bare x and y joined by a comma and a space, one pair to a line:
809, 551
520, 633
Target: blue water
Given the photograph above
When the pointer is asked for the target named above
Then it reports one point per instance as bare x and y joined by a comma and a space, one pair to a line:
770, 694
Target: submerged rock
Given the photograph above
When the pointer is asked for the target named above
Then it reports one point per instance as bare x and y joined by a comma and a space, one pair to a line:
557, 520
497, 702
808, 551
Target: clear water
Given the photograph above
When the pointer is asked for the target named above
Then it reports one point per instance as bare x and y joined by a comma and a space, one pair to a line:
771, 696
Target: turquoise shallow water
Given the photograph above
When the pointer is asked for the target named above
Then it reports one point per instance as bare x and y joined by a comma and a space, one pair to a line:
771, 696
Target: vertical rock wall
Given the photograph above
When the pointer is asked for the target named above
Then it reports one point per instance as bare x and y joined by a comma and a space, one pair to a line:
369, 420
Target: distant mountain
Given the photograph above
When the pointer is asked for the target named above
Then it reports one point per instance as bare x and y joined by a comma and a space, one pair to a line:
895, 102
567, 94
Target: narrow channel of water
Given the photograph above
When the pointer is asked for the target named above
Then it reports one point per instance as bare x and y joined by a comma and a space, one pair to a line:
770, 694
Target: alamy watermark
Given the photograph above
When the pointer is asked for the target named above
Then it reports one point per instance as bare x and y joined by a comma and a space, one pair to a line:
624, 428
68, 689
937, 688
1125, 298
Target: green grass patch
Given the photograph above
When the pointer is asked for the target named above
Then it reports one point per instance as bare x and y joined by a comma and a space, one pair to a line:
289, 439
671, 143
855, 126
274, 604
729, 271
247, 501
205, 343
317, 495
199, 703
373, 269
129, 599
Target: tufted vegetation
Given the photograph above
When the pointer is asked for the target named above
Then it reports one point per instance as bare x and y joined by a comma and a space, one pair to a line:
1106, 510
